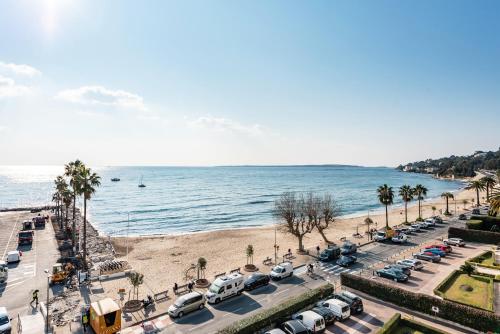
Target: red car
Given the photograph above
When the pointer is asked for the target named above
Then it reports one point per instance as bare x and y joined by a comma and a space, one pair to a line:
444, 248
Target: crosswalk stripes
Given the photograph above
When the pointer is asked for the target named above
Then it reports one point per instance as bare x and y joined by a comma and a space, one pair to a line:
334, 269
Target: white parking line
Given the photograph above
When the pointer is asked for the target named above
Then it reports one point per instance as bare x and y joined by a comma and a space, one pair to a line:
285, 290
200, 325
8, 242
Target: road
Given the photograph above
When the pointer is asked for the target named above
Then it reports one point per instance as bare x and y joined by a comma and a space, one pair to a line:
27, 275
215, 317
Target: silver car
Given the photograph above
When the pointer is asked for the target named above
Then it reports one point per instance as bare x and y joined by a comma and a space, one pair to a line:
188, 303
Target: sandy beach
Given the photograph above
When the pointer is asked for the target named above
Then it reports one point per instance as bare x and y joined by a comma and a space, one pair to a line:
164, 259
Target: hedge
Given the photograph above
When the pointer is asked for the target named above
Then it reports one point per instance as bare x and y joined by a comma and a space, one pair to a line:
278, 313
477, 260
445, 284
391, 324
474, 224
465, 315
421, 327
487, 222
474, 235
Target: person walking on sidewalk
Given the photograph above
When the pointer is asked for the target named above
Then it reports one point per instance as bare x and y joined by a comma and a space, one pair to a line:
85, 321
35, 298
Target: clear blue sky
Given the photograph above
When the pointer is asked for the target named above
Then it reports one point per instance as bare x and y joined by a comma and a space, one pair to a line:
257, 82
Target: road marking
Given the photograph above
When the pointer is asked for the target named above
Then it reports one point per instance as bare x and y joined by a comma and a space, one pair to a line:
12, 285
200, 325
285, 290
8, 242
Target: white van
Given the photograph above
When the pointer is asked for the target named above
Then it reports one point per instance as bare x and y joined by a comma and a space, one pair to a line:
312, 320
282, 270
225, 287
341, 310
13, 256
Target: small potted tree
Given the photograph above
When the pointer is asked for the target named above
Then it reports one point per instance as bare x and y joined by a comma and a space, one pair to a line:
201, 266
136, 279
250, 267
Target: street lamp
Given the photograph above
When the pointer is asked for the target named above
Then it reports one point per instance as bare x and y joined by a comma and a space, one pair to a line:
47, 306
276, 247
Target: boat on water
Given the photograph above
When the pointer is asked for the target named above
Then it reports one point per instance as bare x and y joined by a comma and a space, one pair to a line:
115, 179
141, 185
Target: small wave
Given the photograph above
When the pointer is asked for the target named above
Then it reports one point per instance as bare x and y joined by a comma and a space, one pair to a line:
258, 202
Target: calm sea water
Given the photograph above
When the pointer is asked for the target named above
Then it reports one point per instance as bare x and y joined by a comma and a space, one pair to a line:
187, 199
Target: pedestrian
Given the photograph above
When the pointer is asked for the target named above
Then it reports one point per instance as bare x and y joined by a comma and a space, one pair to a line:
85, 321
176, 287
190, 286
35, 298
317, 249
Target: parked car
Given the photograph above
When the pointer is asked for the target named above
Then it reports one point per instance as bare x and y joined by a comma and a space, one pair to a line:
312, 320
348, 248
275, 331
444, 248
416, 226
397, 276
438, 220
346, 260
282, 270
427, 257
256, 280
462, 217
13, 257
295, 327
355, 303
396, 267
341, 310
414, 264
5, 324
329, 254
400, 239
187, 303
429, 223
454, 241
4, 273
476, 212
436, 251
326, 313
25, 237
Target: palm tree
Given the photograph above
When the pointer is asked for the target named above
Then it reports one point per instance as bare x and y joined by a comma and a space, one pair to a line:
136, 279
406, 194
249, 252
386, 197
202, 265
420, 191
489, 183
447, 196
67, 196
61, 185
465, 202
88, 182
494, 203
71, 170
477, 185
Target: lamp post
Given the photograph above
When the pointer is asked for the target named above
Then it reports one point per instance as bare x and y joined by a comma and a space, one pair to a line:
47, 305
276, 247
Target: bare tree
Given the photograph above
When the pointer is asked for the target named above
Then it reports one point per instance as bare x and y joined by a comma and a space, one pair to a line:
328, 211
294, 214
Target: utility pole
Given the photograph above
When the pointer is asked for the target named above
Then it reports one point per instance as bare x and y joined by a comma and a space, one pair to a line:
128, 226
47, 305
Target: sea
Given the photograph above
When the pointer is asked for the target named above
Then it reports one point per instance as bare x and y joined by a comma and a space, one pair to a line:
179, 200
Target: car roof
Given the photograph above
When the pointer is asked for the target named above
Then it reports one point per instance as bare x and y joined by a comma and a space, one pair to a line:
311, 314
3, 310
187, 296
338, 302
349, 294
295, 324
13, 252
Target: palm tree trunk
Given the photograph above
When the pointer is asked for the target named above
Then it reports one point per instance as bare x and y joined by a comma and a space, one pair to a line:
84, 232
487, 194
66, 224
419, 210
477, 196
447, 205
406, 212
386, 218
301, 245
73, 232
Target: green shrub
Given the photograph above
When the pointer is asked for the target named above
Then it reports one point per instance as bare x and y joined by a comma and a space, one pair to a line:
391, 324
421, 327
446, 283
487, 222
474, 224
474, 235
465, 315
278, 313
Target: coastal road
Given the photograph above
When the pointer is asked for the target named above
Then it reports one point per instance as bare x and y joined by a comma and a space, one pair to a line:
215, 317
28, 274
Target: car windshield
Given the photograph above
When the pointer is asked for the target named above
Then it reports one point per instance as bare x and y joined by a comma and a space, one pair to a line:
4, 320
214, 288
278, 269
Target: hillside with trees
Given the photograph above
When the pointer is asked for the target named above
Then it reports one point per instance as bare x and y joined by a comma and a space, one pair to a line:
457, 166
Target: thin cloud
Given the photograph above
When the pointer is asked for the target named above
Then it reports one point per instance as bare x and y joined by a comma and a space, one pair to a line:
20, 69
226, 125
9, 88
101, 96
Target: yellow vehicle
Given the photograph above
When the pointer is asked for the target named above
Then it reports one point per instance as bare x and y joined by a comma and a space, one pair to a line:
105, 316
59, 274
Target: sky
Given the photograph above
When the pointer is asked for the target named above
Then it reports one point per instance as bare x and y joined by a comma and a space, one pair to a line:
373, 83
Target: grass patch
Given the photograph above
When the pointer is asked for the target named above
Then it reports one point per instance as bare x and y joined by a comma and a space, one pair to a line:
406, 330
481, 295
